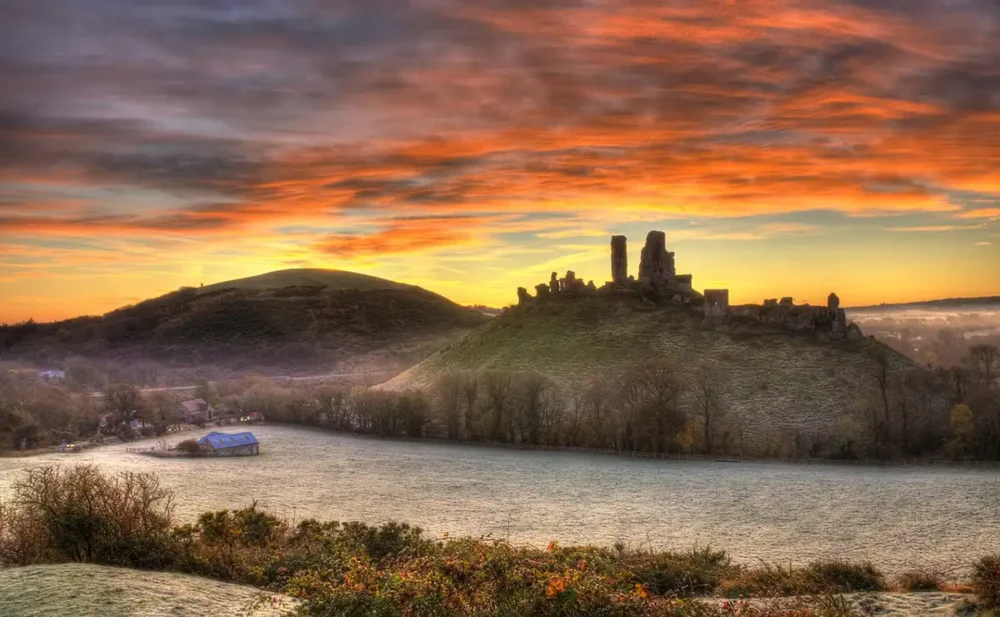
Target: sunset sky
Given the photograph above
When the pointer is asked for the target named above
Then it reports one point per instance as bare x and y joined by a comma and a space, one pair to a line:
787, 147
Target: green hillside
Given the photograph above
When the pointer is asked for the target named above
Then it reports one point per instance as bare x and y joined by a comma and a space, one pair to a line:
777, 380
307, 277
286, 318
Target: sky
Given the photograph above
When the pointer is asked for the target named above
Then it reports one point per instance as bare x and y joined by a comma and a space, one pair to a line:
786, 147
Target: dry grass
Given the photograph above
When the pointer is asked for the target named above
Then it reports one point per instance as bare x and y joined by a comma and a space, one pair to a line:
779, 382
86, 590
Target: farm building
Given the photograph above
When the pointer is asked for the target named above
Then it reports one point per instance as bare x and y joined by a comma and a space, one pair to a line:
197, 411
230, 444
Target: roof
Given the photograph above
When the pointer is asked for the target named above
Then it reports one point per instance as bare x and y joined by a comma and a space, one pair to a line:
221, 441
195, 405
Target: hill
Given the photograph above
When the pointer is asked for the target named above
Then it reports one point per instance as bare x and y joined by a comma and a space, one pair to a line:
987, 302
778, 381
87, 590
287, 318
308, 277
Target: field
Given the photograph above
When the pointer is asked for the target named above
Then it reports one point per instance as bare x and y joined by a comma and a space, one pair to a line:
89, 590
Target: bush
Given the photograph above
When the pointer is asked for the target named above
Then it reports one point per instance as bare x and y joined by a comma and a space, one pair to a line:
79, 514
816, 578
920, 580
681, 574
986, 582
188, 446
843, 576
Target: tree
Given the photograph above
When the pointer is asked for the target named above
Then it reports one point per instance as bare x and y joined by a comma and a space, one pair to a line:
652, 388
448, 398
963, 428
531, 407
497, 386
986, 362
881, 418
470, 388
707, 388
123, 403
206, 390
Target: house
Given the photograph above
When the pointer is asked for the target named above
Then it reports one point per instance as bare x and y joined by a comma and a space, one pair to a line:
197, 411
229, 444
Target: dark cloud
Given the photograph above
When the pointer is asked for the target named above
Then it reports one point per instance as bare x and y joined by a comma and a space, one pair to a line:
308, 106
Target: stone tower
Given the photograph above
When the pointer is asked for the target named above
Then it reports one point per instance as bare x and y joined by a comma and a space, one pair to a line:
619, 260
656, 264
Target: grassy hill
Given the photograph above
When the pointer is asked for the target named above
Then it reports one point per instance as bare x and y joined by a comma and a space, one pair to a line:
776, 380
286, 318
308, 277
86, 590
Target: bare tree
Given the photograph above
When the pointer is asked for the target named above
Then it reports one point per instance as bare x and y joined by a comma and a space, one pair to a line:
470, 388
986, 361
708, 382
497, 386
881, 419
448, 399
652, 389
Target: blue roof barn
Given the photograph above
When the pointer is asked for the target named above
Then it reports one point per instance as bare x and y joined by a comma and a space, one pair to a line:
230, 444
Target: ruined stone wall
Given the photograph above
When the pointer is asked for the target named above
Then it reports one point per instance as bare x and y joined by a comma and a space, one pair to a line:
659, 282
619, 260
656, 264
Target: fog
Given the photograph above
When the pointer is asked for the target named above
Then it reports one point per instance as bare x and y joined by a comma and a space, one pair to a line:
932, 335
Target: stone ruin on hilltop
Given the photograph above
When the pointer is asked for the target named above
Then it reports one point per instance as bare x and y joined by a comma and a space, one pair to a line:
658, 282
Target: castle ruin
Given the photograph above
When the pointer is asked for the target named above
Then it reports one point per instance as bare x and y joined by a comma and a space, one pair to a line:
658, 281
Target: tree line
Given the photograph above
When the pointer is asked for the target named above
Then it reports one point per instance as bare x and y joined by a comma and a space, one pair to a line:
651, 407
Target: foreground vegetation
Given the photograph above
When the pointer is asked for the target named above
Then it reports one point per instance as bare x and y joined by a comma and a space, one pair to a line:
79, 515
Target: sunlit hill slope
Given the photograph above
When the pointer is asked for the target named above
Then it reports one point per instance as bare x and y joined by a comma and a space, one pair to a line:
777, 381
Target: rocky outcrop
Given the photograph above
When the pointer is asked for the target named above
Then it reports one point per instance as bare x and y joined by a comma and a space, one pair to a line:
619, 260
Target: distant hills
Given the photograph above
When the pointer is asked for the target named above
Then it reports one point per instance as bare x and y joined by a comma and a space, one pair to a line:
286, 318
943, 304
779, 382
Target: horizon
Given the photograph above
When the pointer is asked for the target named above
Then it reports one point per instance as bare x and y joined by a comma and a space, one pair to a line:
789, 148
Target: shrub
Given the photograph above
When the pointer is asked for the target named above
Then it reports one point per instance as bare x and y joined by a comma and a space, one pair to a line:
920, 580
843, 576
986, 582
188, 446
681, 574
79, 514
816, 578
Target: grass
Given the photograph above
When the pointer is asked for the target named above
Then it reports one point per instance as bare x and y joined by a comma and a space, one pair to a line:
393, 570
288, 317
775, 381
102, 591
921, 580
816, 578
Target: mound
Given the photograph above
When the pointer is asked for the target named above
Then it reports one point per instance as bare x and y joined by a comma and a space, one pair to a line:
87, 590
291, 317
776, 380
308, 277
